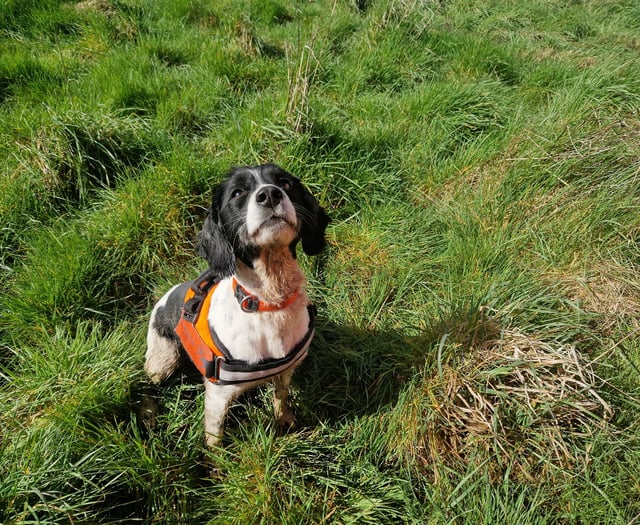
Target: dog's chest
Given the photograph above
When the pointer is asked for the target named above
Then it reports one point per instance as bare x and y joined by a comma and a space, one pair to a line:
256, 336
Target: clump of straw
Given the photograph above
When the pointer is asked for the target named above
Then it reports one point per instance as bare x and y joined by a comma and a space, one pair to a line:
507, 399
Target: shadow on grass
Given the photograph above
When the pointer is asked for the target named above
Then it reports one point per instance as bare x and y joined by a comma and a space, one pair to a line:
351, 371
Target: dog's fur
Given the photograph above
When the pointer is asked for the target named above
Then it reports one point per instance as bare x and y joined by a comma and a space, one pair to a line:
257, 217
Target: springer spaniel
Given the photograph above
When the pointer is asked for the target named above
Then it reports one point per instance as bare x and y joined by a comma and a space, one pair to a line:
259, 323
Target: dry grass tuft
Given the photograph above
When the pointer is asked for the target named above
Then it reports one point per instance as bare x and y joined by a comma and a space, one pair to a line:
513, 401
98, 6
611, 291
418, 13
250, 44
301, 73
124, 26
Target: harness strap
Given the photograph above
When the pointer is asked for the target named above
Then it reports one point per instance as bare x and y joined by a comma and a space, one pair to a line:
211, 357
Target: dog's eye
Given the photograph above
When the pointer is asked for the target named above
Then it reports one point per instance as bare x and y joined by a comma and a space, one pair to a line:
237, 193
285, 184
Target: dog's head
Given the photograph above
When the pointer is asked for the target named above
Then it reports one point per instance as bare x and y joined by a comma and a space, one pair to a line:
258, 208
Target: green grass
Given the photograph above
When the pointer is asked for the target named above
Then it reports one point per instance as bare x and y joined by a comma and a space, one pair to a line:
477, 355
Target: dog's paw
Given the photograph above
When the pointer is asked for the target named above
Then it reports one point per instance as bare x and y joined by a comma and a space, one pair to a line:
213, 440
286, 419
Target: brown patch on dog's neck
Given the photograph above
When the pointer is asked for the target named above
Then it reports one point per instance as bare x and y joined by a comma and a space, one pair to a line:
275, 275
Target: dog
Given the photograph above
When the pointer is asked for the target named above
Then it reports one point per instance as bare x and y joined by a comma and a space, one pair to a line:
255, 320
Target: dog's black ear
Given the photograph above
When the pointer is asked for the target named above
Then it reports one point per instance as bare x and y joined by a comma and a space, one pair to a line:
213, 245
314, 223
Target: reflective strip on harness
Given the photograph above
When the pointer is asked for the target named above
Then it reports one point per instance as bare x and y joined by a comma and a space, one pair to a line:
241, 372
210, 356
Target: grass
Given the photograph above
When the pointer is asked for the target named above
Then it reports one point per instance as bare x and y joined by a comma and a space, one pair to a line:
477, 355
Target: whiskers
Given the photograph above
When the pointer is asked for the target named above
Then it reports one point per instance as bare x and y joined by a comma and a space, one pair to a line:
305, 216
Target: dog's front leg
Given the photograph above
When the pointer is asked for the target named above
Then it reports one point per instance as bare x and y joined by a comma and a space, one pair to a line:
217, 399
285, 418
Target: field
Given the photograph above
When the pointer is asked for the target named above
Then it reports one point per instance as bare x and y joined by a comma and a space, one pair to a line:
477, 353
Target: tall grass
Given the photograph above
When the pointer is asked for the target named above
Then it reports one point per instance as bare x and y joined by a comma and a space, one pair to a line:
476, 358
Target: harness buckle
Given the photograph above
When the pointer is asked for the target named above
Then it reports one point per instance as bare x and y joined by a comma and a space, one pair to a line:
212, 368
190, 309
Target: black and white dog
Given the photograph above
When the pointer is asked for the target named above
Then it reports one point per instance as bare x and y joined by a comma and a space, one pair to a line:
258, 313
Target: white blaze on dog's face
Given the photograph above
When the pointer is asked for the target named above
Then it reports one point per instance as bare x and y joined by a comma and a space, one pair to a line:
271, 217
257, 208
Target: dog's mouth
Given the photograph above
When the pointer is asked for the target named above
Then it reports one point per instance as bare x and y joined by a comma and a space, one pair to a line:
275, 219
274, 224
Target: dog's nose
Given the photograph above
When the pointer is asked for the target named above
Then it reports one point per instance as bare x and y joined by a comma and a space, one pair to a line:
269, 196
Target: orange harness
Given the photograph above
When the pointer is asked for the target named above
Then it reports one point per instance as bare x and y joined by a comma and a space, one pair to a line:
210, 356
